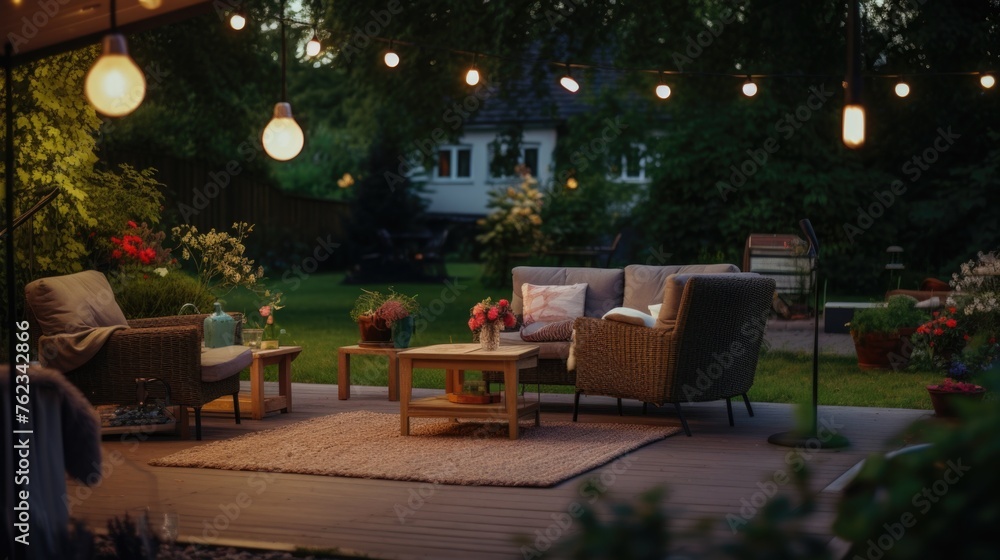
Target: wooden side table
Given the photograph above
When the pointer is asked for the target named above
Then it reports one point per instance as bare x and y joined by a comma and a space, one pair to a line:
344, 368
455, 359
259, 404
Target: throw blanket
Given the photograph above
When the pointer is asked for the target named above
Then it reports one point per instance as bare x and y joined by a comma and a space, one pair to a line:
68, 351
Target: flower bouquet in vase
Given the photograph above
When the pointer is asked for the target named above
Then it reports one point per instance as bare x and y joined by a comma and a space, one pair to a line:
487, 319
269, 338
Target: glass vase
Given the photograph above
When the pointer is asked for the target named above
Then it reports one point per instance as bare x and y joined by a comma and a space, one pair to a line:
489, 336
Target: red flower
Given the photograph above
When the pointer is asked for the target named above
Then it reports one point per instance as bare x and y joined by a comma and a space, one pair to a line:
938, 332
132, 224
952, 310
951, 323
493, 314
116, 254
472, 323
503, 303
936, 313
509, 320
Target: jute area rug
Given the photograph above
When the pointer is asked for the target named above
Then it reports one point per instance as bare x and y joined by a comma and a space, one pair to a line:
368, 445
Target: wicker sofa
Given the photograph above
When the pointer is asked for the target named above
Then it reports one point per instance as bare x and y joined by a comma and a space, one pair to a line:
636, 286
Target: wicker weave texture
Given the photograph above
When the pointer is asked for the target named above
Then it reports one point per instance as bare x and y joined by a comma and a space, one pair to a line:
712, 353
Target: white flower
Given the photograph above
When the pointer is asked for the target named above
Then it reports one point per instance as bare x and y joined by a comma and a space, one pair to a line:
162, 271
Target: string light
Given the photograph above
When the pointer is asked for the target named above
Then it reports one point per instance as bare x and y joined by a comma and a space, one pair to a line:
282, 137
571, 183
568, 82
313, 46
237, 21
749, 88
662, 90
472, 76
902, 89
391, 58
987, 81
115, 85
853, 132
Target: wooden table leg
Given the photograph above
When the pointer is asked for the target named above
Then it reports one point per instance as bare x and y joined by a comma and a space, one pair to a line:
406, 388
343, 375
393, 377
510, 399
285, 381
257, 389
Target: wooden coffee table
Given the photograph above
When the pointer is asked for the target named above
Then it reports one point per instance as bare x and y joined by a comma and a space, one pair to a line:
455, 359
344, 368
258, 404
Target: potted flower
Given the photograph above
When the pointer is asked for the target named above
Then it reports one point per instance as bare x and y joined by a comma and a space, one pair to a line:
944, 396
487, 320
269, 338
880, 333
384, 319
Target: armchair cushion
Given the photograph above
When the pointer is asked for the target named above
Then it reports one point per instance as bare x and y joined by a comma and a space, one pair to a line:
219, 363
553, 303
629, 315
644, 284
76, 314
546, 350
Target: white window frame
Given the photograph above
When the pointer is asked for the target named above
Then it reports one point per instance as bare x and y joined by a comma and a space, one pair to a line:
623, 175
453, 149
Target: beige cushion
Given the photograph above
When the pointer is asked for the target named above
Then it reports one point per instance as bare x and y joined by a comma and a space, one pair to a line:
630, 316
219, 363
73, 303
547, 332
644, 284
546, 350
553, 303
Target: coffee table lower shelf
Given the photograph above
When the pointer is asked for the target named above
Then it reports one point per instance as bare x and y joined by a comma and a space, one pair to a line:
441, 407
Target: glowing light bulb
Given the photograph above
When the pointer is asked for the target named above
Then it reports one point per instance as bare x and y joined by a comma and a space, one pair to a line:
571, 183
663, 91
313, 46
854, 126
749, 88
151, 4
987, 81
391, 59
902, 89
569, 83
472, 77
237, 21
115, 85
282, 136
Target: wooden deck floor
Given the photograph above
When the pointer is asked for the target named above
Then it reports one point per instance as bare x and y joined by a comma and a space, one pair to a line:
715, 473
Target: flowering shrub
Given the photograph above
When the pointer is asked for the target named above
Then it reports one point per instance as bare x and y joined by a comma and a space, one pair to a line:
140, 246
513, 224
389, 307
392, 311
218, 257
487, 312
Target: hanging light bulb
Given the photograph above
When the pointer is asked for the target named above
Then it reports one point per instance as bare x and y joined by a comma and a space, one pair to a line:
902, 89
149, 4
472, 76
749, 88
987, 81
282, 136
853, 133
571, 183
568, 82
313, 46
115, 85
662, 90
237, 21
391, 58
854, 126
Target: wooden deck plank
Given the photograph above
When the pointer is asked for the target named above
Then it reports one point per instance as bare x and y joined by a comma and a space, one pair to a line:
706, 476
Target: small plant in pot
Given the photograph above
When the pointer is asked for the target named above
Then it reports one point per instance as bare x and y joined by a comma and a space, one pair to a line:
881, 334
384, 319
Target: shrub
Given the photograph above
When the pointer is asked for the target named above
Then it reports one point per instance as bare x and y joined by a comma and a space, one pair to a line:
143, 295
900, 312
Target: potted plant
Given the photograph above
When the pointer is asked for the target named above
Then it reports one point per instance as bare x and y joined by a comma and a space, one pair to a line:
944, 396
487, 319
384, 319
880, 333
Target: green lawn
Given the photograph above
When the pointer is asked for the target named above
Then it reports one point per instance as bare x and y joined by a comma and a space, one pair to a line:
316, 319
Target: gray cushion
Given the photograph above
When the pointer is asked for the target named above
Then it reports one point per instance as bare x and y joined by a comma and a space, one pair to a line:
546, 350
219, 363
644, 284
604, 285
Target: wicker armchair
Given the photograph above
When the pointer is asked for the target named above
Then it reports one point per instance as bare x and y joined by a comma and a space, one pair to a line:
710, 354
166, 348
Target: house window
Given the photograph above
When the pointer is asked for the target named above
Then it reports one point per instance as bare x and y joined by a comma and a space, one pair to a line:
528, 158
632, 165
454, 162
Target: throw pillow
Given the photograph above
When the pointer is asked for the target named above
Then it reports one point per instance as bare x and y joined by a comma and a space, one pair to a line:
540, 331
630, 316
553, 303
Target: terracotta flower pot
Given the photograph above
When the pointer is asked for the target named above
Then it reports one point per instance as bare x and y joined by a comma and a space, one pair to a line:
884, 351
374, 331
944, 401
